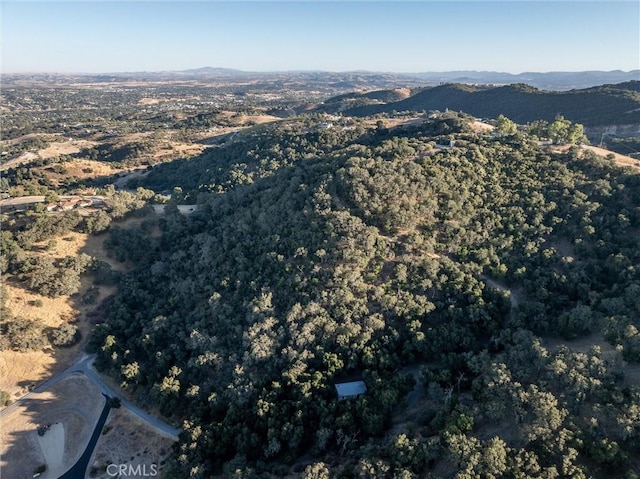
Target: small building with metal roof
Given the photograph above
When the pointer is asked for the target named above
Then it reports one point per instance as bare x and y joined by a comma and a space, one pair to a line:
351, 389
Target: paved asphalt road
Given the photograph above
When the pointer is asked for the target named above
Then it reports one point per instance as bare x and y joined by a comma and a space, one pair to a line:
84, 366
79, 469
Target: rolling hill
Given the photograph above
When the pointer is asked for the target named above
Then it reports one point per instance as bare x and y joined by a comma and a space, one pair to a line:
602, 105
442, 277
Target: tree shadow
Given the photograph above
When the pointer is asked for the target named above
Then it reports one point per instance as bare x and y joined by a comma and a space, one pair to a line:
39, 310
20, 456
28, 433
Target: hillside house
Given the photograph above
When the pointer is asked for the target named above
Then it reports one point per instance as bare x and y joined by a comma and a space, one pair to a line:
69, 204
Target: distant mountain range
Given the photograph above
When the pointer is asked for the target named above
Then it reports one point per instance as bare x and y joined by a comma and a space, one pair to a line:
617, 104
365, 79
593, 98
549, 80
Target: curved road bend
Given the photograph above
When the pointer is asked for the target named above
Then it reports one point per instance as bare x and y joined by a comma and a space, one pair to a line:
84, 366
79, 469
44, 386
156, 423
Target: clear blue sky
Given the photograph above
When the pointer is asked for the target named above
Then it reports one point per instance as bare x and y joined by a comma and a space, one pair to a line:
416, 36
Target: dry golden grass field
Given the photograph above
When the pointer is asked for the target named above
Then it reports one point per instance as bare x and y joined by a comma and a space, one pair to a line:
21, 371
621, 160
75, 404
65, 148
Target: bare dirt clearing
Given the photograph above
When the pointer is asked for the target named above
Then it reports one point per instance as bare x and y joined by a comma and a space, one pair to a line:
241, 119
174, 149
408, 413
82, 169
75, 403
52, 447
477, 126
54, 150
128, 440
481, 127
65, 148
403, 92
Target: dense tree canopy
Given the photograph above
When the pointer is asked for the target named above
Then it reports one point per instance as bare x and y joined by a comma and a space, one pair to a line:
317, 256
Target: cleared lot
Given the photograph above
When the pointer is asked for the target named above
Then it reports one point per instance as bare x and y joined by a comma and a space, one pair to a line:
70, 408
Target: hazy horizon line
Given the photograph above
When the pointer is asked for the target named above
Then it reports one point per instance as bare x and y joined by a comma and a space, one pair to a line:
230, 69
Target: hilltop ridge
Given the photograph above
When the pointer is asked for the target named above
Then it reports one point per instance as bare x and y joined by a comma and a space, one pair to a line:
617, 104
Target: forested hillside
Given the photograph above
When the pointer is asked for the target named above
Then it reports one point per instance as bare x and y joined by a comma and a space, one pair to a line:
601, 105
443, 277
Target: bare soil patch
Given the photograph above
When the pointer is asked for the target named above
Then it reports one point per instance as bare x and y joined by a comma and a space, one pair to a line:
259, 119
393, 122
481, 127
131, 175
173, 149
21, 372
75, 403
149, 101
65, 148
241, 119
52, 447
408, 413
403, 92
129, 440
82, 169
21, 200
